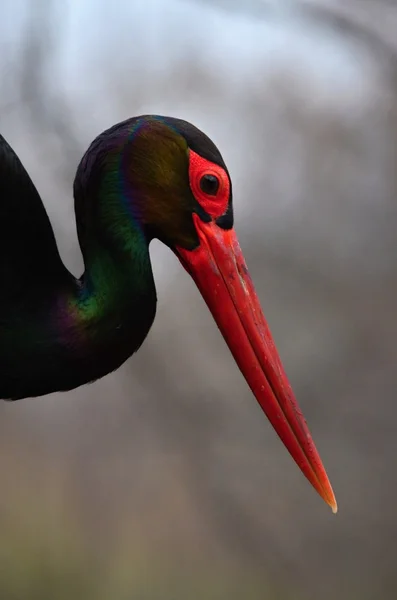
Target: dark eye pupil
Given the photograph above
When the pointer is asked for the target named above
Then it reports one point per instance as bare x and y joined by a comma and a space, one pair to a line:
209, 184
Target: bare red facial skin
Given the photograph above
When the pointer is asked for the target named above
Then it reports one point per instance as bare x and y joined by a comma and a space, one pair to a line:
215, 206
219, 270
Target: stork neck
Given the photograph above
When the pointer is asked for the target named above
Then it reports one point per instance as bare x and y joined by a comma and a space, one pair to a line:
77, 330
107, 314
111, 296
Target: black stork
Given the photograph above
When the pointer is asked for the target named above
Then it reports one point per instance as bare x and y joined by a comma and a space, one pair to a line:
147, 177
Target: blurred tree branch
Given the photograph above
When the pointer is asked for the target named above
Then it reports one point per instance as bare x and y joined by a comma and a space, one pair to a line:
331, 15
48, 112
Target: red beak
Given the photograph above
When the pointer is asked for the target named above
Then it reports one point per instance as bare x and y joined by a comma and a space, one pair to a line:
220, 272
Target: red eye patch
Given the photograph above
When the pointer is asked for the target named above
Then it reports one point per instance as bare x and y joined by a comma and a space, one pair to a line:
201, 173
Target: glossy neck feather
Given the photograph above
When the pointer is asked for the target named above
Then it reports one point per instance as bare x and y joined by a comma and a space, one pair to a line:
59, 332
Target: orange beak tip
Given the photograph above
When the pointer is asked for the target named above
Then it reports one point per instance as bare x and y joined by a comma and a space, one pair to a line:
330, 499
334, 507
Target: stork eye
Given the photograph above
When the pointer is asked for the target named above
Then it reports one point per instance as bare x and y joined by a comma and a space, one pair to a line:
209, 184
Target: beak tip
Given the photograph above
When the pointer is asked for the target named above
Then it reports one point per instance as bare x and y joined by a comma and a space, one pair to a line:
331, 501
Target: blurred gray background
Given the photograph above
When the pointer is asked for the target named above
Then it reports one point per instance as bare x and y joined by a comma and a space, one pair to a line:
158, 482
